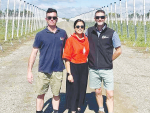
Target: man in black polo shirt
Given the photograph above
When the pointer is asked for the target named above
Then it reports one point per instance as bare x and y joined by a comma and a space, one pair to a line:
102, 41
50, 43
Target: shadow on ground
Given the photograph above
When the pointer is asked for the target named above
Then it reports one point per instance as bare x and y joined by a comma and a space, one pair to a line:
90, 101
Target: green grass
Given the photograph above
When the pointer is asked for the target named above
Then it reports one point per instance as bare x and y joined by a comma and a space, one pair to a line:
131, 41
139, 42
9, 34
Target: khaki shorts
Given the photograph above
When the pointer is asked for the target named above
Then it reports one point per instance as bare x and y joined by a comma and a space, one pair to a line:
45, 80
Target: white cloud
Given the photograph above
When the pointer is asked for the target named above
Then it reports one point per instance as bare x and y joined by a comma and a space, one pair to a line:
66, 10
63, 11
139, 5
59, 0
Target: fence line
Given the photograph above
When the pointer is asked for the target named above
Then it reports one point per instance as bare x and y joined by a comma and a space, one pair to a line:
15, 18
18, 19
13, 21
6, 21
130, 21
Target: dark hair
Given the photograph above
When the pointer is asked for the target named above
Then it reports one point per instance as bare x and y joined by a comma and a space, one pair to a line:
79, 20
50, 10
100, 11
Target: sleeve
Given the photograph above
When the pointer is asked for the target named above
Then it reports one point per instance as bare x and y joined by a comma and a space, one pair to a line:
67, 50
37, 41
65, 39
86, 33
116, 40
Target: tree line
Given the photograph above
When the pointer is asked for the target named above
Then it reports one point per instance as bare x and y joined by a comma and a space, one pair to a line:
11, 13
130, 15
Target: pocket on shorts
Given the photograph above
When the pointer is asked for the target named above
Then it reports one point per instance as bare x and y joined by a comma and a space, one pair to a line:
58, 75
41, 75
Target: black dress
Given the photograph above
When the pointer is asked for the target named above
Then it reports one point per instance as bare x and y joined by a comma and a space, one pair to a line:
75, 92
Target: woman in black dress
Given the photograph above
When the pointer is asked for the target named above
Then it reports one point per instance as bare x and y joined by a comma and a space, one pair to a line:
75, 54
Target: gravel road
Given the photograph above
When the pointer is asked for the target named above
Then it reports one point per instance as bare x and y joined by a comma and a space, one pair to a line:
131, 75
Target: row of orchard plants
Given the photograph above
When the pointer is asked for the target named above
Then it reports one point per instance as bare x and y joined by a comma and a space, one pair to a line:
12, 32
131, 34
135, 35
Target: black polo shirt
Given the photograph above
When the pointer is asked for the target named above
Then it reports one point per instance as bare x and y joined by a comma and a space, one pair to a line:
51, 50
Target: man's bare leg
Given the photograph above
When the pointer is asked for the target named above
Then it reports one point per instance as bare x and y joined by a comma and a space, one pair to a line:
110, 101
40, 102
99, 98
55, 102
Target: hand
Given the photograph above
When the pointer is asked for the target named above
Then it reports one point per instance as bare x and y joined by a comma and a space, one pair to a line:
30, 77
70, 78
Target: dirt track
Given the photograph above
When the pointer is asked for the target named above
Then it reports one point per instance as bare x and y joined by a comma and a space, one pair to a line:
131, 74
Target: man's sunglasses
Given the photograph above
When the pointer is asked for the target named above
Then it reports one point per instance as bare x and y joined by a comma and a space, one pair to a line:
50, 17
102, 17
79, 27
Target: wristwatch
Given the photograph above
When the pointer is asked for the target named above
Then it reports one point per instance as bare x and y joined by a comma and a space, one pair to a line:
68, 74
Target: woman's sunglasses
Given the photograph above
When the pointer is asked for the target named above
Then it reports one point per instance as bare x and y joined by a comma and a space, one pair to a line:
79, 27
50, 17
102, 17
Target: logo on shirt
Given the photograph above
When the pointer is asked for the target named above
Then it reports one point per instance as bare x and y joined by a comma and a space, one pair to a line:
62, 38
104, 37
84, 50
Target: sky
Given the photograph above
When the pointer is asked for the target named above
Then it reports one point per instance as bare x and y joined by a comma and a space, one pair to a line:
72, 8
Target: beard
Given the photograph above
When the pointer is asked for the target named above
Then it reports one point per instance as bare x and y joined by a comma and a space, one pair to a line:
100, 23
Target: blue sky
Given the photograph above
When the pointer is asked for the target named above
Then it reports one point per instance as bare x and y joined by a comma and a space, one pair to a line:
72, 8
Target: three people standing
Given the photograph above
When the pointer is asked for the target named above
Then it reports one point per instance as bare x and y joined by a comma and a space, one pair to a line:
97, 47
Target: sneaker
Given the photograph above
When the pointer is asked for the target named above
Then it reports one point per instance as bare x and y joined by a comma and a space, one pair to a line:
78, 111
55, 112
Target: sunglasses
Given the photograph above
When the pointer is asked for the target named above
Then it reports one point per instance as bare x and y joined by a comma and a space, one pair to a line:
50, 17
79, 27
102, 17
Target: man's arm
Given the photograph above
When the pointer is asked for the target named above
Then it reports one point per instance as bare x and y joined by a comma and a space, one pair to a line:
117, 46
117, 53
30, 64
